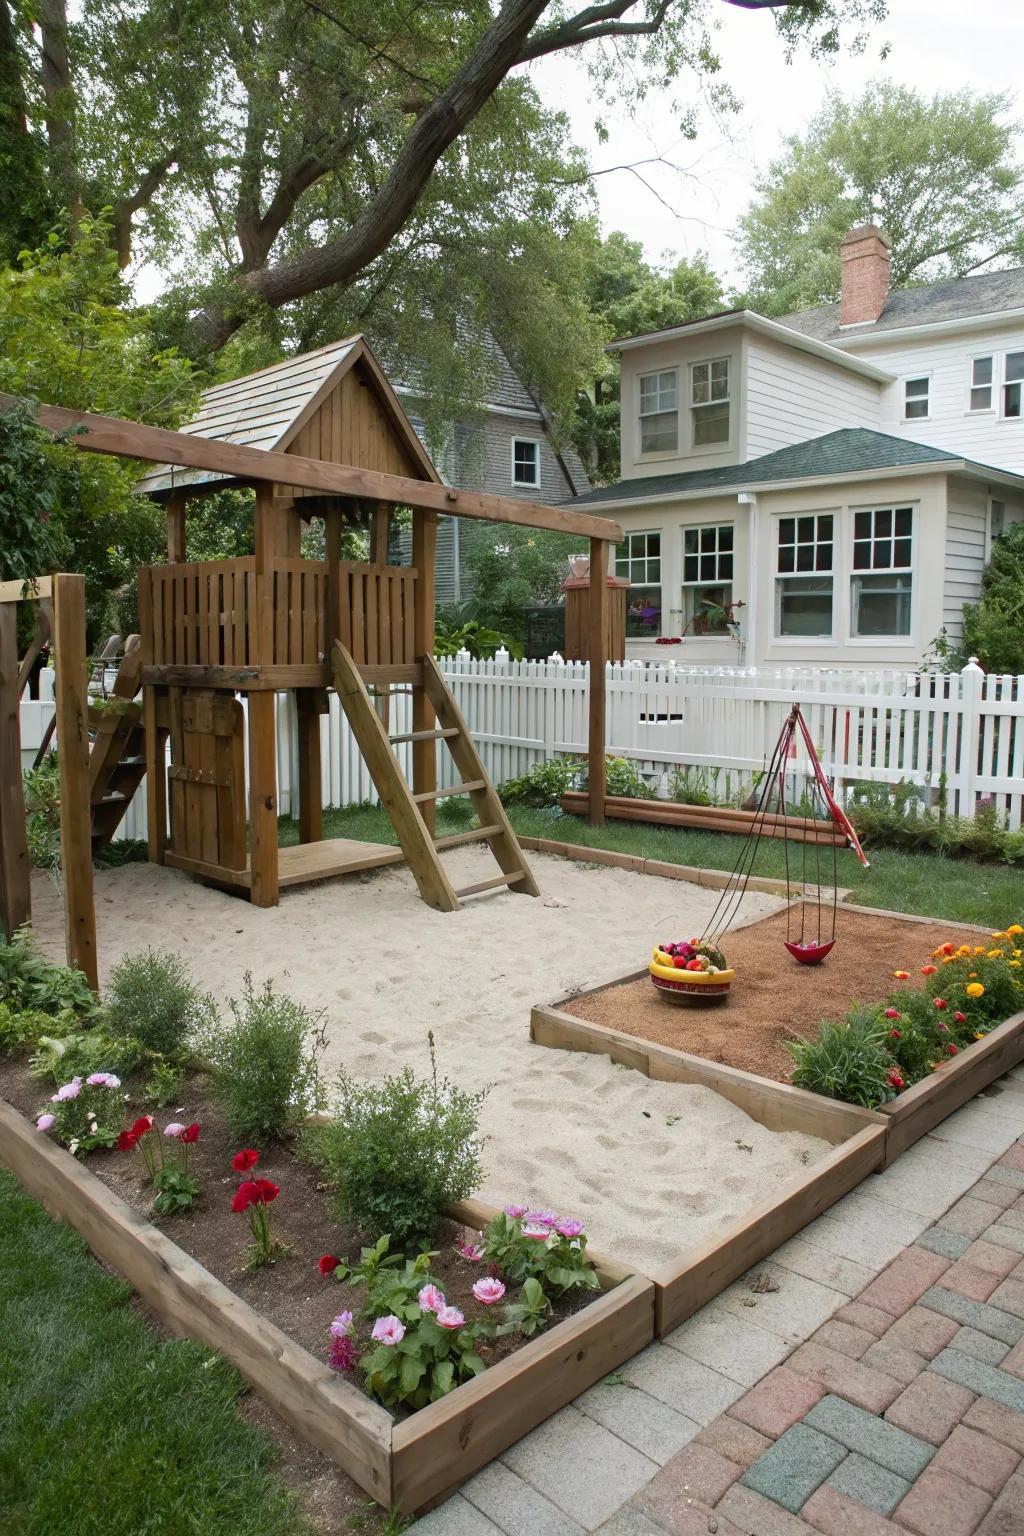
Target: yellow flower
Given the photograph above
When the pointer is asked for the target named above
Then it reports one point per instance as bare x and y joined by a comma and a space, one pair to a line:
948, 959
1015, 928
979, 949
964, 949
994, 954
1014, 965
999, 935
978, 1035
1017, 953
975, 989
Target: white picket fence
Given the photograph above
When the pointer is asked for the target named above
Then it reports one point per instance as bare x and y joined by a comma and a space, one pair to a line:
959, 736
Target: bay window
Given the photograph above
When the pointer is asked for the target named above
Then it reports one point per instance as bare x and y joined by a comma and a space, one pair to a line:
803, 581
707, 578
639, 560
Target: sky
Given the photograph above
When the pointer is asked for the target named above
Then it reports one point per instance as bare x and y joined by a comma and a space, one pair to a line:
935, 45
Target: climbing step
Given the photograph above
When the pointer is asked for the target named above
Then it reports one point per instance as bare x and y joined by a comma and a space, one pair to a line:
422, 736
457, 839
470, 786
512, 877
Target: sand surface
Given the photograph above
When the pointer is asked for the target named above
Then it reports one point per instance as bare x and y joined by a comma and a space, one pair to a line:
652, 1168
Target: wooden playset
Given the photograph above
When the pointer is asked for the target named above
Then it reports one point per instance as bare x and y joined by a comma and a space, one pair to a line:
320, 436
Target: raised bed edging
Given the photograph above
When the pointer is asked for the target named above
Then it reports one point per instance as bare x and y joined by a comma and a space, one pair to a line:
409, 1464
858, 1138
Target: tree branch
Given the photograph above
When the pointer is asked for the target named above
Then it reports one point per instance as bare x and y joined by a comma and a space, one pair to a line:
128, 207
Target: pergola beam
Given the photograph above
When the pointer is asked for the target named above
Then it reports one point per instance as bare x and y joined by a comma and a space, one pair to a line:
155, 445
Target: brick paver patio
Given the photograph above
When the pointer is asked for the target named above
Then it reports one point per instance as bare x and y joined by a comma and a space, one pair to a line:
878, 1390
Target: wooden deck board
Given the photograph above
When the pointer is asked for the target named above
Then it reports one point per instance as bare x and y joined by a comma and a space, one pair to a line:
336, 856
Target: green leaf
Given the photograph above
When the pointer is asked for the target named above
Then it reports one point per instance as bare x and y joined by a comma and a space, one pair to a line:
411, 1373
473, 1364
444, 1376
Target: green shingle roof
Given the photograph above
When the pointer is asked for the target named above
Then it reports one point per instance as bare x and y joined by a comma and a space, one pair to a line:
852, 450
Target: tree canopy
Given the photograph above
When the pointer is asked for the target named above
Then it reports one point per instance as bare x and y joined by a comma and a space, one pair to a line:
939, 174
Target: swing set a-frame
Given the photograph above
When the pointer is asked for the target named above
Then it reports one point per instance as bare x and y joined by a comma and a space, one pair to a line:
322, 436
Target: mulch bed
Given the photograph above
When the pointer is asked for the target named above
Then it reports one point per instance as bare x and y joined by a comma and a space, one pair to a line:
773, 997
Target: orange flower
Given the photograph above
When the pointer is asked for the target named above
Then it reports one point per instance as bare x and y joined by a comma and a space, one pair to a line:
901, 975
928, 970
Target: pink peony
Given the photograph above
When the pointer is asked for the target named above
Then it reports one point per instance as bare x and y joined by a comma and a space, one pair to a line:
46, 1122
450, 1317
431, 1299
103, 1080
69, 1091
569, 1227
542, 1218
538, 1233
488, 1291
174, 1129
342, 1325
516, 1212
474, 1252
388, 1330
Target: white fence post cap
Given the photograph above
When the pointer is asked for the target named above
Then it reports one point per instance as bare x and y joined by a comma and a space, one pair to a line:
463, 654
556, 656
501, 654
972, 666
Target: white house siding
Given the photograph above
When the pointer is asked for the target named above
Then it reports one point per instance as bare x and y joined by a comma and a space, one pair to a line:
791, 396
986, 437
966, 547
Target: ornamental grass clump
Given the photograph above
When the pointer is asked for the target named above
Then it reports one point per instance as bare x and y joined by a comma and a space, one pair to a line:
266, 1064
849, 1060
152, 998
398, 1153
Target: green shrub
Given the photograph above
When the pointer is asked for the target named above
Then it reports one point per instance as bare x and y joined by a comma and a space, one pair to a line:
543, 784
265, 1064
694, 786
849, 1060
399, 1152
915, 1040
151, 997
42, 804
624, 778
29, 982
78, 1055
21, 1027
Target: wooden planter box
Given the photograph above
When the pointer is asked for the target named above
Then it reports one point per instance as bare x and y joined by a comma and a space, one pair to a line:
858, 1138
412, 1463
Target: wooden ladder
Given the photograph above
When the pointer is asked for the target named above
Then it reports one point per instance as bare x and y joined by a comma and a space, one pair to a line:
422, 851
117, 748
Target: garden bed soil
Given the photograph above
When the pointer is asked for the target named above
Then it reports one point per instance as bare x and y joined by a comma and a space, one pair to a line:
773, 997
290, 1292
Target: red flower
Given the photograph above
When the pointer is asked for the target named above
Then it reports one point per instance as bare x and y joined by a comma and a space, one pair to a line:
894, 1034
243, 1161
896, 1080
127, 1141
190, 1135
940, 1003
893, 1013
245, 1195
143, 1124
328, 1264
961, 1018
928, 970
266, 1190
952, 1050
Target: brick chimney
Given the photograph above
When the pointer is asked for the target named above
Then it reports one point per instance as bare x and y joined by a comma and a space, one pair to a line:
865, 259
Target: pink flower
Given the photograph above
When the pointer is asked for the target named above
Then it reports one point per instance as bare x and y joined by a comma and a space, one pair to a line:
516, 1212
540, 1234
893, 1013
474, 1252
431, 1299
388, 1330
944, 1028
45, 1122
174, 1129
69, 1091
488, 1291
450, 1317
342, 1325
103, 1080
542, 1218
343, 1355
568, 1227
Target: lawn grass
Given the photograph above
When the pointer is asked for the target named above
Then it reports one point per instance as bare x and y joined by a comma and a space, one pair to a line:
924, 883
105, 1428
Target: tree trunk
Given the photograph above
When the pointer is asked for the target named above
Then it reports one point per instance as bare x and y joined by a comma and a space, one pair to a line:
59, 95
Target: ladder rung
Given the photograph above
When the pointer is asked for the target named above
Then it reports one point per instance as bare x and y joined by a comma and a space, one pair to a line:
456, 789
450, 730
478, 835
492, 884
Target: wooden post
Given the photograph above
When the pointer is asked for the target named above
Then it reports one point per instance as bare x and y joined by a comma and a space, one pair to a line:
332, 546
380, 528
73, 757
175, 508
311, 808
15, 886
598, 653
263, 797
277, 526
155, 735
424, 753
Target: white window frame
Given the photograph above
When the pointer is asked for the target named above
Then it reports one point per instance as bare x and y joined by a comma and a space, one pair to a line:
717, 580
1005, 384
695, 407
628, 557
778, 577
641, 414
533, 442
892, 570
992, 386
917, 378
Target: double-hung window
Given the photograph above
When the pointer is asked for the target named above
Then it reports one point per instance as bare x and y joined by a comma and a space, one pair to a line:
803, 581
915, 399
659, 411
882, 582
639, 560
707, 578
709, 402
982, 377
525, 461
1013, 384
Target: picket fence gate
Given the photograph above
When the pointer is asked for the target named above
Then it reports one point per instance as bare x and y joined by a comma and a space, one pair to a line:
957, 737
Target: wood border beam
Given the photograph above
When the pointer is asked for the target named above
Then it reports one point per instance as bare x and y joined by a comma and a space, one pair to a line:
155, 445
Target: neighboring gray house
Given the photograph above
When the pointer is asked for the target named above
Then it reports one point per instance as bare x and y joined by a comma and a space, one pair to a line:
508, 450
